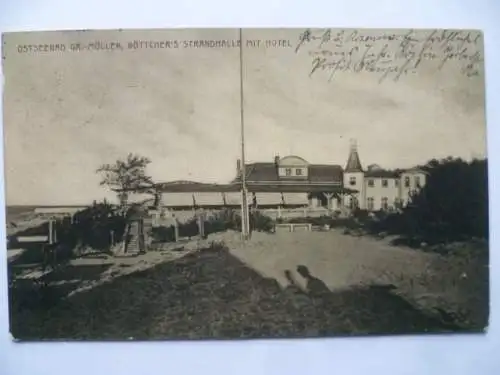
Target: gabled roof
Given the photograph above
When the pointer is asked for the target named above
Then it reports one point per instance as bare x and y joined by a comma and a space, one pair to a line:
396, 173
324, 173
316, 173
415, 170
261, 172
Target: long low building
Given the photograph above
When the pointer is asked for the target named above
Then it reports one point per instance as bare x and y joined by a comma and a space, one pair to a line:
292, 181
233, 199
182, 200
70, 210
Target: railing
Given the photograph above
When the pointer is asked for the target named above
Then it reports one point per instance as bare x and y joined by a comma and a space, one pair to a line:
183, 216
295, 227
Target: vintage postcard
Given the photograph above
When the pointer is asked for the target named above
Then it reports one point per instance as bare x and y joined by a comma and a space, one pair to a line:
254, 183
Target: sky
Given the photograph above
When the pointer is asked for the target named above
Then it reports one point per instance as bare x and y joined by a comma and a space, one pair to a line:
66, 113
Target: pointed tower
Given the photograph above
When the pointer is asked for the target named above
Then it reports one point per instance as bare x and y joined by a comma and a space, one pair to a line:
354, 177
353, 162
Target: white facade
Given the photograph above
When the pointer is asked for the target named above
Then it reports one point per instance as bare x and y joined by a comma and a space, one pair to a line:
322, 186
381, 192
379, 189
355, 181
388, 192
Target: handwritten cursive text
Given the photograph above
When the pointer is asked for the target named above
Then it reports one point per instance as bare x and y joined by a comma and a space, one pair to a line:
393, 54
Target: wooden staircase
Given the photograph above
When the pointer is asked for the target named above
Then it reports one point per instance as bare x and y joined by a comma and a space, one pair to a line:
136, 233
133, 239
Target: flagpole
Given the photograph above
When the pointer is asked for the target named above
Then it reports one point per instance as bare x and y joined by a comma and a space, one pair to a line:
244, 201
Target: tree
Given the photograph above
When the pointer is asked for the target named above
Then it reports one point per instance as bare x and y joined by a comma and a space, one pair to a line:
155, 191
126, 176
454, 202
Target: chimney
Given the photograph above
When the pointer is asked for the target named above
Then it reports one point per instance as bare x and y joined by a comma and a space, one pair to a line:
238, 168
276, 160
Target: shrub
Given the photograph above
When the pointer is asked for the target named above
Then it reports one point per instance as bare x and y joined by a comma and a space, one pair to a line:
224, 220
260, 222
443, 211
446, 210
381, 214
92, 227
219, 222
360, 214
189, 228
348, 223
215, 225
163, 234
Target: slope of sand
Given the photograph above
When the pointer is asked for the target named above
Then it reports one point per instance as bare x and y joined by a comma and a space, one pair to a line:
341, 261
452, 283
179, 291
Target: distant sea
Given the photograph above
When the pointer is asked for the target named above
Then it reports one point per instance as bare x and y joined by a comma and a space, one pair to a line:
16, 212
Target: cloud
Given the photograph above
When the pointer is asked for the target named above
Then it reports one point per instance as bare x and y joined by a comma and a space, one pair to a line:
67, 113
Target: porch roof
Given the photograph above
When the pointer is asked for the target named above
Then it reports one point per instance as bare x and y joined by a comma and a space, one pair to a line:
299, 188
278, 187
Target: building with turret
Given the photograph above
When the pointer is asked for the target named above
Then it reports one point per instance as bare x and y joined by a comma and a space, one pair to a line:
377, 188
293, 182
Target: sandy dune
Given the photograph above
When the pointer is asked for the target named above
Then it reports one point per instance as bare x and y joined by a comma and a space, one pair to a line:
176, 290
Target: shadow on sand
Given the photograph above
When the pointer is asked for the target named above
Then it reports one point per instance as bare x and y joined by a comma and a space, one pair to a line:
39, 295
212, 294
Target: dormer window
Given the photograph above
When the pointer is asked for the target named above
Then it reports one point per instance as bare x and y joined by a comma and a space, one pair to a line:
292, 166
352, 180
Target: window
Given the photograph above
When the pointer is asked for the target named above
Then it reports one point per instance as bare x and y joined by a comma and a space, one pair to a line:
385, 183
371, 183
417, 181
407, 181
298, 172
398, 203
396, 183
353, 203
288, 171
369, 204
352, 180
384, 204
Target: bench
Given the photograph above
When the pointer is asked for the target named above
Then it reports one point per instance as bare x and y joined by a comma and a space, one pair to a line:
293, 227
32, 239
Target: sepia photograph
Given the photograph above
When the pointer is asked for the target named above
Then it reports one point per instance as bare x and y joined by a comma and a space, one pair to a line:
187, 184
